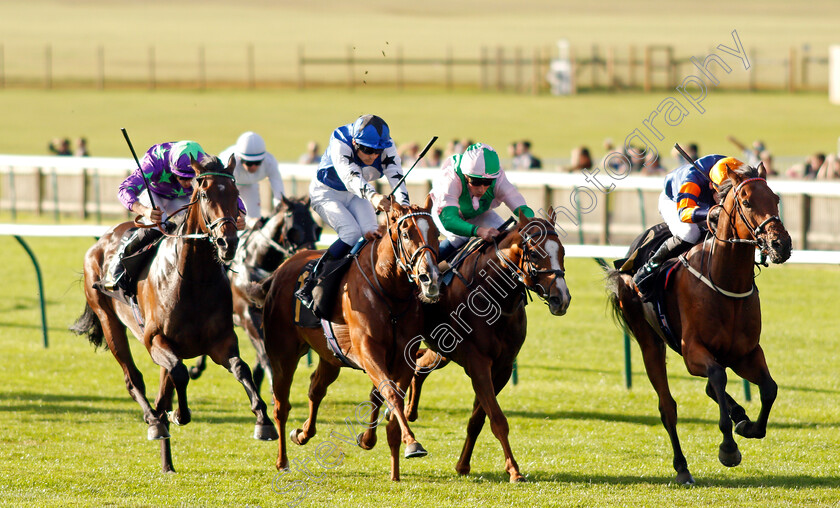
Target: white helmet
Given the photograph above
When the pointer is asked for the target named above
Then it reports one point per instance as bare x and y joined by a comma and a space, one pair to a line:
250, 147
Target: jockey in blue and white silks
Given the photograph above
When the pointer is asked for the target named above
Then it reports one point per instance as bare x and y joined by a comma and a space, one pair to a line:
357, 154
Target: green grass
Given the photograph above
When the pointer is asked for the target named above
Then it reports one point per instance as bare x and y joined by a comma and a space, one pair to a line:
71, 435
793, 125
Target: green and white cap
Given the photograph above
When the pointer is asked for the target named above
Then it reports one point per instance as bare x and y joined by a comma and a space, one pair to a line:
480, 161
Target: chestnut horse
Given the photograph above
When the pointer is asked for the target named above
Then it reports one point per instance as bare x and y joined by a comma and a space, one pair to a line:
261, 250
184, 302
375, 317
480, 323
714, 312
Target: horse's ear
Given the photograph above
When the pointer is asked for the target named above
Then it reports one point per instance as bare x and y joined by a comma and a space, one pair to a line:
288, 202
762, 171
231, 164
522, 219
427, 205
196, 166
307, 201
552, 215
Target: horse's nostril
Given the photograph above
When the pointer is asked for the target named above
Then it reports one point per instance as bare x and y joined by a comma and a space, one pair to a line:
424, 278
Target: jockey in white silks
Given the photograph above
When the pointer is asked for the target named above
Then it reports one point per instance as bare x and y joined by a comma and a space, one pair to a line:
253, 164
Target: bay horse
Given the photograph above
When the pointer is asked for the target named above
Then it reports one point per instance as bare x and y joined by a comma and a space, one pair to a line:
480, 323
714, 311
184, 304
375, 317
262, 248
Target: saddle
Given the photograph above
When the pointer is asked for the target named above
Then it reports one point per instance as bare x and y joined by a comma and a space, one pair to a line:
134, 265
641, 250
306, 318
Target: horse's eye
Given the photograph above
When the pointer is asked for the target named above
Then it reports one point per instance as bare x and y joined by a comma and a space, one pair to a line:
289, 213
746, 203
405, 234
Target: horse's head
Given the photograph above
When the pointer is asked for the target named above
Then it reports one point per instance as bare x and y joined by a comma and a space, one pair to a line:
299, 229
751, 212
538, 257
216, 194
414, 236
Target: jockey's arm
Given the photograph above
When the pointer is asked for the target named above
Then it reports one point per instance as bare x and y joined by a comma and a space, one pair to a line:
274, 178
510, 196
451, 219
348, 171
392, 169
689, 206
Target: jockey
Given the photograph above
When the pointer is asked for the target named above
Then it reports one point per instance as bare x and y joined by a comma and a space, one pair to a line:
253, 164
471, 185
684, 205
168, 170
357, 154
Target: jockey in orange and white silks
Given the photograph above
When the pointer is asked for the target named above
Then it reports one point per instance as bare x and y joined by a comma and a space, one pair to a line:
253, 164
470, 186
684, 205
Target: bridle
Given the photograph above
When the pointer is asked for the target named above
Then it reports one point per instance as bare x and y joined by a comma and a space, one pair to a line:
209, 227
527, 269
755, 231
408, 265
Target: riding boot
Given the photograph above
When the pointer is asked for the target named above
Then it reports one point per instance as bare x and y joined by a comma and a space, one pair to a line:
644, 277
116, 276
336, 251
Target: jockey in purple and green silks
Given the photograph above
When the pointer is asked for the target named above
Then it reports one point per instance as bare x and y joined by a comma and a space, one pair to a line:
471, 186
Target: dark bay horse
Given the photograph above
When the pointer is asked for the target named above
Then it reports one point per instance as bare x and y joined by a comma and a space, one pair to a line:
716, 318
480, 323
375, 317
262, 248
184, 302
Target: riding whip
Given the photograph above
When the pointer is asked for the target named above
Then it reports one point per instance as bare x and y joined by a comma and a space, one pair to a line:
148, 188
429, 145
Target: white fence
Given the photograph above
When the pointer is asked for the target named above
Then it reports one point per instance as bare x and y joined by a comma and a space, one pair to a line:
86, 186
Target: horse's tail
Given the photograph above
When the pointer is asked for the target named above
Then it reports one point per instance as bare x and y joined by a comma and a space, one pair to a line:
257, 291
618, 291
88, 324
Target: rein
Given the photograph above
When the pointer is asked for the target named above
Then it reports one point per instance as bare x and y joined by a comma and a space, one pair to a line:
208, 226
399, 249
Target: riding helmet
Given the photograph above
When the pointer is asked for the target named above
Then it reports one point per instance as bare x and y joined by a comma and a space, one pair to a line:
372, 131
480, 161
250, 147
181, 155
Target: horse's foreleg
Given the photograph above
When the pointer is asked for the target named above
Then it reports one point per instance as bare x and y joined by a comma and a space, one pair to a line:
367, 439
474, 426
198, 368
753, 368
163, 404
322, 377
394, 435
284, 363
427, 361
736, 412
698, 359
480, 374
264, 429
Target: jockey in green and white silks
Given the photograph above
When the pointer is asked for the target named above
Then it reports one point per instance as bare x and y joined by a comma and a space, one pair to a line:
471, 185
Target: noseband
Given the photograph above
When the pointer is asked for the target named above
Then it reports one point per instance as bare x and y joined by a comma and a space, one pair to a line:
399, 249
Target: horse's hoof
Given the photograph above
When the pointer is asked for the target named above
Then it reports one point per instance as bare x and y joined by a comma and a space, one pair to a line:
415, 449
194, 373
364, 444
685, 479
730, 459
157, 431
173, 417
169, 470
462, 471
517, 478
388, 414
293, 436
265, 432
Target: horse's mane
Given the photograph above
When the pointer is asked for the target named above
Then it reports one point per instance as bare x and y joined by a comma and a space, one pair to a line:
211, 163
744, 171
